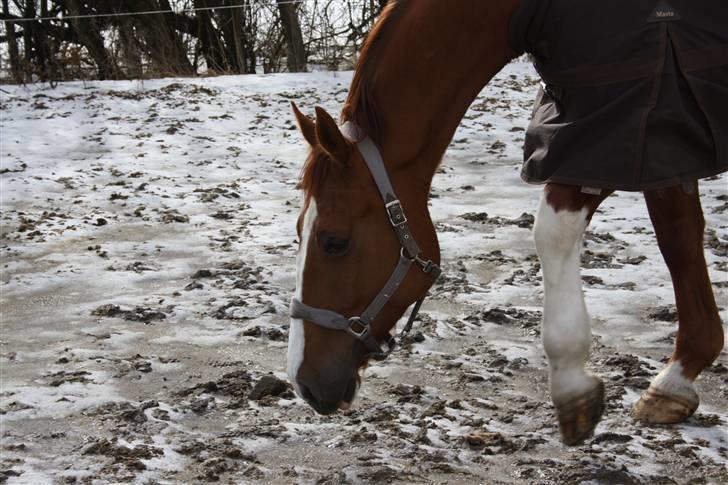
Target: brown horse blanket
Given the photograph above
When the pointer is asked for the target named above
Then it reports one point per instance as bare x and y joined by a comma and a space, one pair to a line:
635, 93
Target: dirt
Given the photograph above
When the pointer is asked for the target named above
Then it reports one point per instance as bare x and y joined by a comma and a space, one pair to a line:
270, 386
137, 314
525, 220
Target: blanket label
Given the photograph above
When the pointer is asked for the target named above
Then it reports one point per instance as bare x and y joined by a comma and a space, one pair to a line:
664, 12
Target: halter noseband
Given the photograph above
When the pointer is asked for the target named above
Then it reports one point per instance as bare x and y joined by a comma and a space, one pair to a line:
360, 326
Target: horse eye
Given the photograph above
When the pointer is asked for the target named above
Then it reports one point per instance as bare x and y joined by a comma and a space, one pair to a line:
333, 245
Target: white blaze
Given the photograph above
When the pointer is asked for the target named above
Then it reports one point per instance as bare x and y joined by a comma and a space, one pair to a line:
296, 338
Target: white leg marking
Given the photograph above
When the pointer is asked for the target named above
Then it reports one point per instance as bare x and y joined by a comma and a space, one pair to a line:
566, 330
296, 338
671, 381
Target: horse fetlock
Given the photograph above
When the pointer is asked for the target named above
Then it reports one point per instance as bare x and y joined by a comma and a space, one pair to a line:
579, 416
566, 344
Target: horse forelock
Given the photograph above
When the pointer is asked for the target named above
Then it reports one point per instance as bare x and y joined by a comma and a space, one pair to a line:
321, 172
315, 171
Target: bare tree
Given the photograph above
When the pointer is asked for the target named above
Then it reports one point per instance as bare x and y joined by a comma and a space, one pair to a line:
163, 44
296, 52
131, 48
211, 43
89, 35
15, 69
143, 38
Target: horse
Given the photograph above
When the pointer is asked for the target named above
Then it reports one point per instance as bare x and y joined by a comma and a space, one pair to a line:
368, 249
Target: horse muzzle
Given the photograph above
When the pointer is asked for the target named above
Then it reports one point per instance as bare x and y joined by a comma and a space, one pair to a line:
327, 397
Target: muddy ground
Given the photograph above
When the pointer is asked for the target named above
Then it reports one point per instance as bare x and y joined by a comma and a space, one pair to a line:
148, 247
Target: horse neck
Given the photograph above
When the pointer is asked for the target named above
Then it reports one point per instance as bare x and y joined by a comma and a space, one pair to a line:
424, 72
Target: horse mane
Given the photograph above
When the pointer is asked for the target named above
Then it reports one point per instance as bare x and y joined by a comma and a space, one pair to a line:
359, 106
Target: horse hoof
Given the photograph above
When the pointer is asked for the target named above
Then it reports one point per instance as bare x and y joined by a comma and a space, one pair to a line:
579, 416
656, 407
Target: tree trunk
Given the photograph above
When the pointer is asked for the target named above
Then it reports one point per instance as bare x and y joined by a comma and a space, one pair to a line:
130, 48
227, 23
211, 43
12, 47
237, 31
161, 42
249, 37
91, 38
43, 42
176, 49
28, 41
296, 53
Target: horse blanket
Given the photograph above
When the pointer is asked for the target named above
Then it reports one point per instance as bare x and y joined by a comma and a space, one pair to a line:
635, 92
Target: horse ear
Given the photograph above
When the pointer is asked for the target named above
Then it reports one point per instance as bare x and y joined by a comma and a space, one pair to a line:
330, 138
307, 127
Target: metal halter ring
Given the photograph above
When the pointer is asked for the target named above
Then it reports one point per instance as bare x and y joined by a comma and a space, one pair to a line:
357, 321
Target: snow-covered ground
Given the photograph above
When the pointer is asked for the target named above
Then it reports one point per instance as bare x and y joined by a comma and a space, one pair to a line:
148, 244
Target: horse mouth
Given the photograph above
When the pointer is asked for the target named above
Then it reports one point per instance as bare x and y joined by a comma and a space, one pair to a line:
331, 406
349, 394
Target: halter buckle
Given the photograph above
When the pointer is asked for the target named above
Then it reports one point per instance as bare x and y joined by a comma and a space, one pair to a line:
357, 327
395, 213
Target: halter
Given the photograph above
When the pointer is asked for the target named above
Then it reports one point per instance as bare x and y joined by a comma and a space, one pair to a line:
360, 326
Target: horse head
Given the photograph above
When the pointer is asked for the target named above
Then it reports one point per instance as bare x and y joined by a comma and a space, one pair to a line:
345, 262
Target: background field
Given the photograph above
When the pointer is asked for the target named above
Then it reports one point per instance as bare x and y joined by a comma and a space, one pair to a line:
148, 245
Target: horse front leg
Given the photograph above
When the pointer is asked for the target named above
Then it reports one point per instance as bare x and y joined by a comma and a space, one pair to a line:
678, 221
578, 396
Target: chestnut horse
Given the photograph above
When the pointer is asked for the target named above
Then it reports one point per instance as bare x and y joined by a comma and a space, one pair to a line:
359, 267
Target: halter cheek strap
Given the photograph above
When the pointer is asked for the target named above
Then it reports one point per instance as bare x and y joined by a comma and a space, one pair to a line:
360, 326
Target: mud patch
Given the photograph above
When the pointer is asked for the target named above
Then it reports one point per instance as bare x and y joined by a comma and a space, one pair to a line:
137, 314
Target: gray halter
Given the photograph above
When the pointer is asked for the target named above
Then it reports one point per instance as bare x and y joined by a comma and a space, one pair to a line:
360, 326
